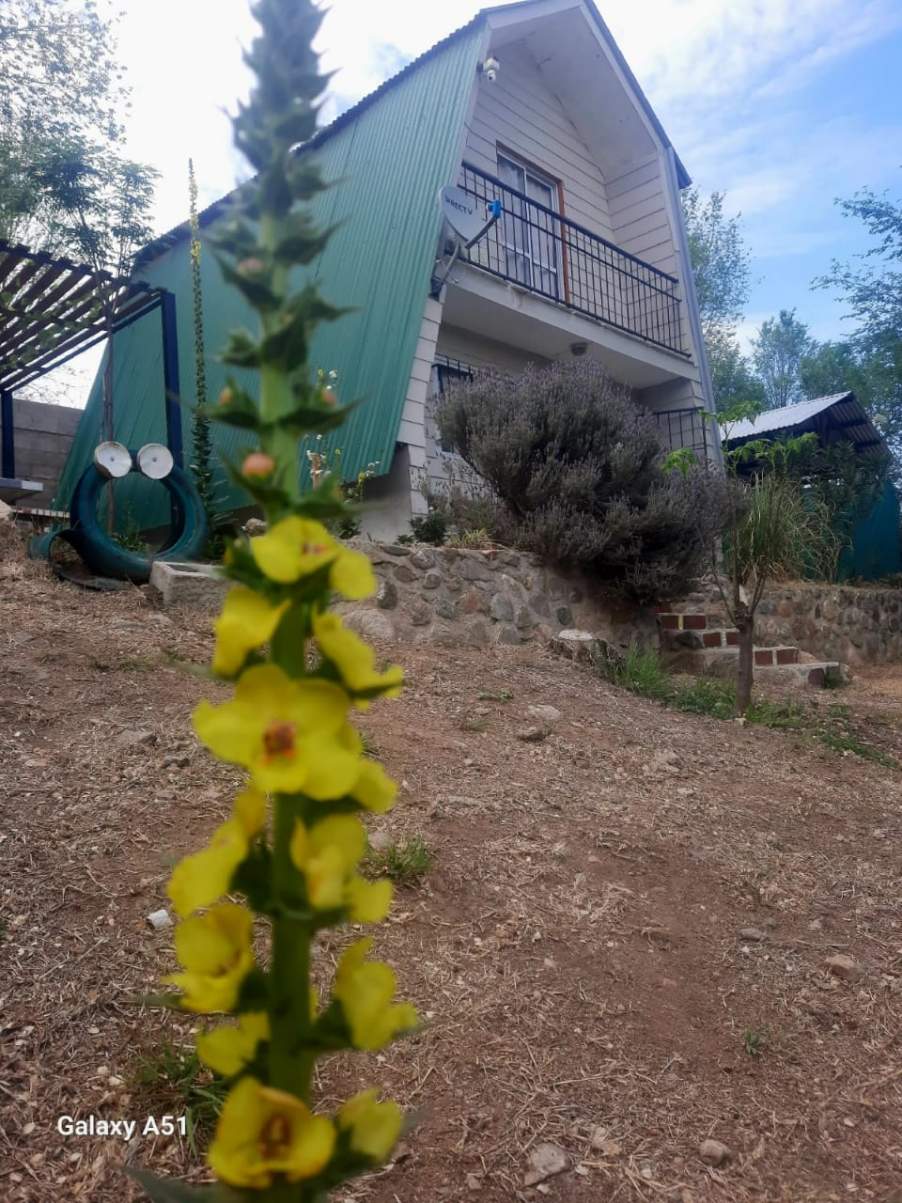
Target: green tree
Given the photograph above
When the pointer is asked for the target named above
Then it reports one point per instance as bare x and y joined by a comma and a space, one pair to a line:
721, 265
777, 354
64, 185
731, 373
872, 290
777, 528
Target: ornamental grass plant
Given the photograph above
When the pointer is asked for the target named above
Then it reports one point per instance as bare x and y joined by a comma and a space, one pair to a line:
287, 858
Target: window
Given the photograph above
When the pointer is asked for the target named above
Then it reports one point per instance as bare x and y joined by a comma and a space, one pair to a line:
445, 373
528, 232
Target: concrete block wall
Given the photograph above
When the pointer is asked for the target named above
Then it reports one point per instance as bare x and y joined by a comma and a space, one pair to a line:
43, 435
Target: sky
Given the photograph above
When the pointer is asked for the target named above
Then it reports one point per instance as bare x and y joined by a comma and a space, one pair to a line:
782, 104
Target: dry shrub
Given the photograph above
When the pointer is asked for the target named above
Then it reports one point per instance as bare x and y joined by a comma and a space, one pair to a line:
580, 470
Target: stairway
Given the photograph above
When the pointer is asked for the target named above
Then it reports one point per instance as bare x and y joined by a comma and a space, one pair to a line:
694, 638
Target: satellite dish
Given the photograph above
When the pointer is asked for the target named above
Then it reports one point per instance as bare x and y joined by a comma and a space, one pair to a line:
467, 217
155, 460
112, 460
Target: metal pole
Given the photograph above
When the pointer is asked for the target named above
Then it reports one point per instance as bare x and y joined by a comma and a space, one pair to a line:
8, 466
171, 383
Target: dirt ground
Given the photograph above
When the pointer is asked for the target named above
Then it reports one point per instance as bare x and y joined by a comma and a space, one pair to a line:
576, 947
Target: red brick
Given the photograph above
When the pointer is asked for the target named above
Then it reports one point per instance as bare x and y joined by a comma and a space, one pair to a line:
694, 622
764, 656
711, 639
669, 622
787, 655
732, 638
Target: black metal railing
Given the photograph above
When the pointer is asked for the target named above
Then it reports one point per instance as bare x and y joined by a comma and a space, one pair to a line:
541, 250
686, 428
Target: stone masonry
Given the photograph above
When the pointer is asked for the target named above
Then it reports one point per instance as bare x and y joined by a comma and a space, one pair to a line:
477, 598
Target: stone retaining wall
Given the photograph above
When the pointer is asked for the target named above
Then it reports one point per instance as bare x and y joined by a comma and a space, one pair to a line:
477, 598
856, 625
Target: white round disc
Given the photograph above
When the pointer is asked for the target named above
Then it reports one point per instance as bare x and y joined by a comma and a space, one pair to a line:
112, 459
155, 460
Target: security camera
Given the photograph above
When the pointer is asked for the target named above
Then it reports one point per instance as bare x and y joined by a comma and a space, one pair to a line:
578, 349
490, 69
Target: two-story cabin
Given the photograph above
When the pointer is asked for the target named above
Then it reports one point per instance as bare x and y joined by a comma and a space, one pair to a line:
589, 255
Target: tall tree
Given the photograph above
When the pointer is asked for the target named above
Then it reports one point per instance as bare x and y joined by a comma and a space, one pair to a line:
777, 354
731, 373
64, 185
872, 289
721, 265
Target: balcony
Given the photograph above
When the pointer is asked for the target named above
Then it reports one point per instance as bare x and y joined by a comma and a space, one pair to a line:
546, 253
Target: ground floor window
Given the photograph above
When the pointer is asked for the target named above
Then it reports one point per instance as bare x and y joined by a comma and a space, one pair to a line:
446, 373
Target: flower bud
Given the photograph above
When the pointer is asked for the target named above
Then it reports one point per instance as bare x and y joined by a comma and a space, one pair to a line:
251, 266
226, 397
258, 463
329, 396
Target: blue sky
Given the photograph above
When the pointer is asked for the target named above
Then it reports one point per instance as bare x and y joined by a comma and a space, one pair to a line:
784, 104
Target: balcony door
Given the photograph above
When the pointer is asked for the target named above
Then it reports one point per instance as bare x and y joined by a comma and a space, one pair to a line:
530, 234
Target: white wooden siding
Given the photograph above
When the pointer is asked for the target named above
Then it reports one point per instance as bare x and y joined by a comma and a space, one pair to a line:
522, 114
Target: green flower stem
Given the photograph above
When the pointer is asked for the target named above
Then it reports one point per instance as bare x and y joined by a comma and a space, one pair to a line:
275, 386
290, 1059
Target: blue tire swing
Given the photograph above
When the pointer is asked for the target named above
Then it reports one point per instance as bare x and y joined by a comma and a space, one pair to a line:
97, 548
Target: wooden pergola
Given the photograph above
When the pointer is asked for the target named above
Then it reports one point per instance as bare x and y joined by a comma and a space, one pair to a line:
53, 309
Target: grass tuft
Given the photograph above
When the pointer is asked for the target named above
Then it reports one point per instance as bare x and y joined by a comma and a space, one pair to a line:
642, 672
173, 1081
404, 863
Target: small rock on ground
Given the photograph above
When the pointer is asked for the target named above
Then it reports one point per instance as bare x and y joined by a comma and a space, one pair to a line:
545, 714
533, 735
843, 966
546, 1160
713, 1152
754, 934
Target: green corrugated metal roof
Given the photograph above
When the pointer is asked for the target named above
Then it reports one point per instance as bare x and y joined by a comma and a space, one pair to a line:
388, 163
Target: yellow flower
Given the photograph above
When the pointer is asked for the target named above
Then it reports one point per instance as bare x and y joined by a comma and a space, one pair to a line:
355, 660
327, 855
215, 951
201, 878
228, 1049
247, 621
352, 576
293, 548
374, 789
263, 1132
297, 547
368, 901
284, 731
374, 1127
365, 990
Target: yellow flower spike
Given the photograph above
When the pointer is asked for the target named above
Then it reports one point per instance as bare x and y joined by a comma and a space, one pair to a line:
203, 877
247, 621
216, 954
327, 854
365, 990
374, 789
228, 1049
374, 1127
294, 548
368, 901
355, 660
284, 731
352, 576
263, 1132
249, 810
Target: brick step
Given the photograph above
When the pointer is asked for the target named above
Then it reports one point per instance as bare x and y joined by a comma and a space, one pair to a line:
726, 639
675, 640
721, 662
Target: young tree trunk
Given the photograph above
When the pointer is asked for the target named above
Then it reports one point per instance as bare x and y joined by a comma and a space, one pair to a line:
745, 625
